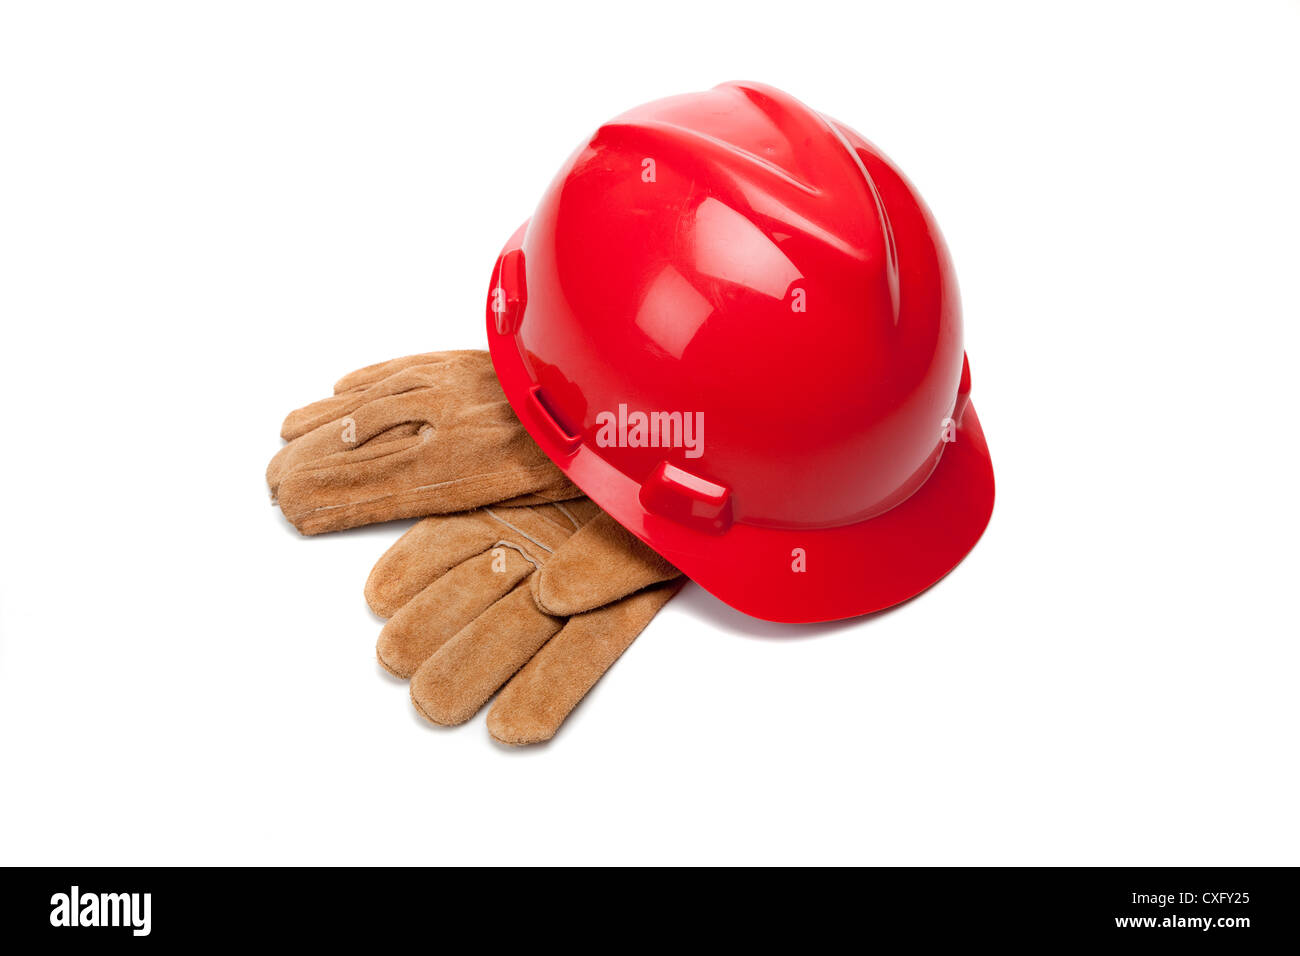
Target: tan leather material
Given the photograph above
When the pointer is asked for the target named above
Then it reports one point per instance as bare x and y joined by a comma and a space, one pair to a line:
425, 553
453, 601
356, 388
426, 434
459, 589
537, 700
451, 686
516, 579
603, 559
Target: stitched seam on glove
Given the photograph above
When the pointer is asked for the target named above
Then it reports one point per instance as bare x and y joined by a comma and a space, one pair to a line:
406, 491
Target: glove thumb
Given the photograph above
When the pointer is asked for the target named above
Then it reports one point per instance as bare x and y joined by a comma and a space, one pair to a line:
600, 564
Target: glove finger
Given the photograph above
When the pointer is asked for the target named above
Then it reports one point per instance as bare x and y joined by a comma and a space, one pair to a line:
382, 370
445, 607
537, 700
358, 436
300, 421
412, 478
443, 395
425, 553
437, 544
309, 475
600, 564
364, 385
451, 686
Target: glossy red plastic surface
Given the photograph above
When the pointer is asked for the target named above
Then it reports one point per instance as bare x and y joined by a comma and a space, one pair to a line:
765, 275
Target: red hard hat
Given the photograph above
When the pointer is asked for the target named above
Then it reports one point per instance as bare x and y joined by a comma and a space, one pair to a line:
734, 324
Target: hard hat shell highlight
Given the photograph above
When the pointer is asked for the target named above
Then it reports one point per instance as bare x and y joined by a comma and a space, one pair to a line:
734, 324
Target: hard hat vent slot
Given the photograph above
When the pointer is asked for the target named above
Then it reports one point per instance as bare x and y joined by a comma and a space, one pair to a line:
560, 436
509, 293
687, 498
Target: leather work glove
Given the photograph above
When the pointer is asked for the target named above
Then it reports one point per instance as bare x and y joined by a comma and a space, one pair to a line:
540, 599
420, 435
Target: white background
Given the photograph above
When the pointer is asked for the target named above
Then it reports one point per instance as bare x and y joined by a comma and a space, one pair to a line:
210, 212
